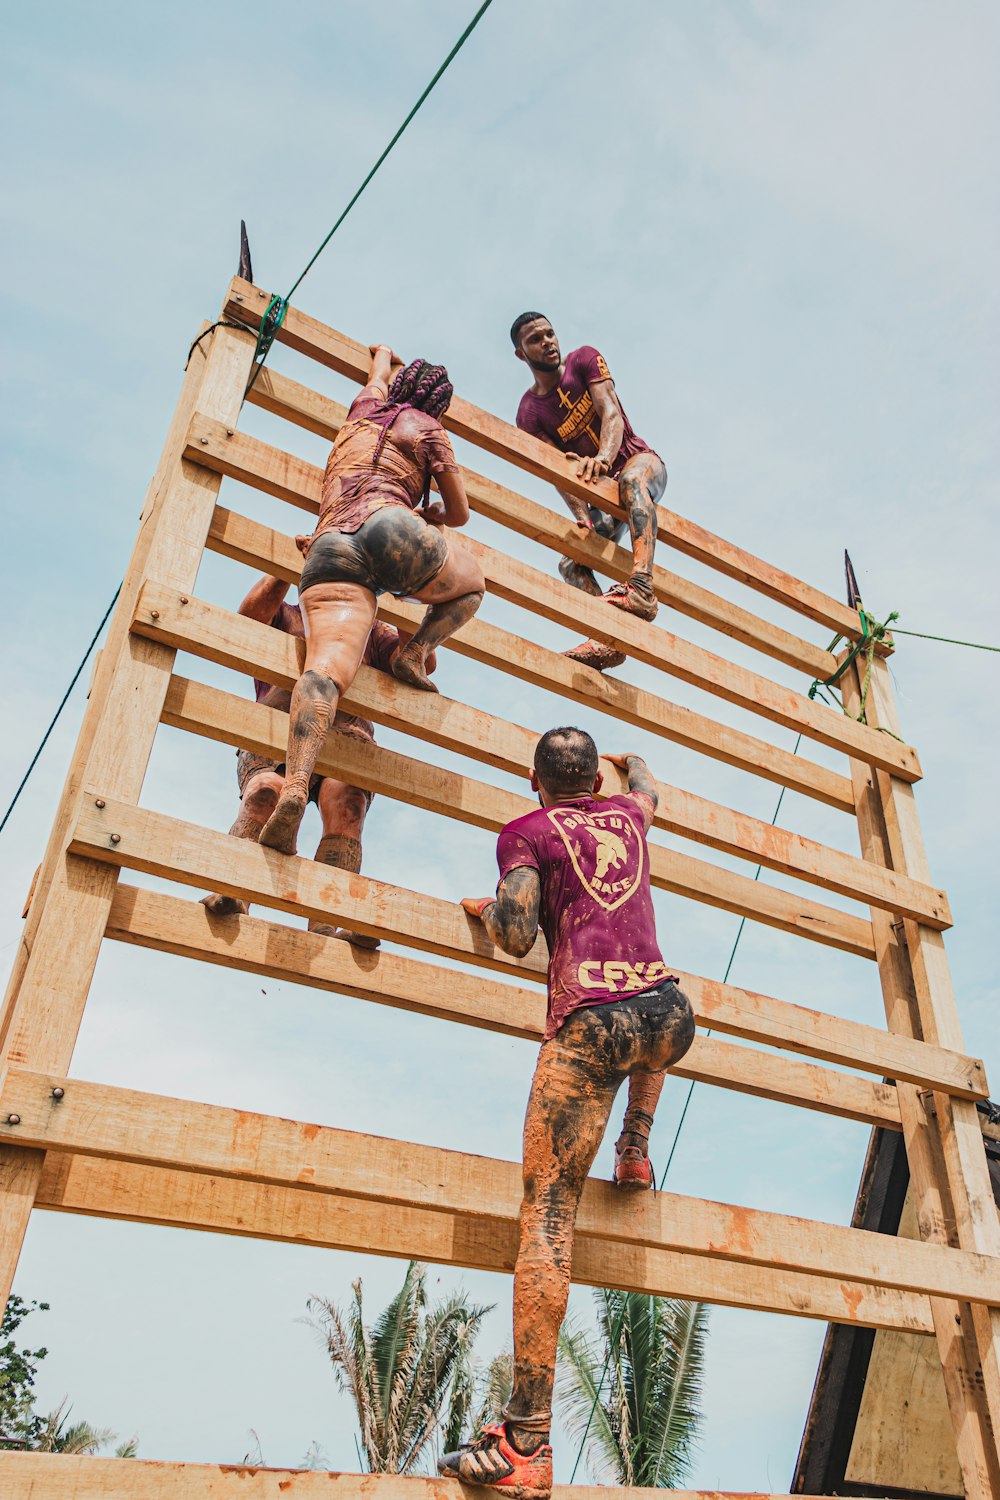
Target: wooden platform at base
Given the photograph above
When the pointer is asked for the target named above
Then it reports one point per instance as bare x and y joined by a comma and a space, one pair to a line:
57, 1476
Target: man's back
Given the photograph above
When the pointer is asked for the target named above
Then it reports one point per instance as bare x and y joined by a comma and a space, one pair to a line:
596, 908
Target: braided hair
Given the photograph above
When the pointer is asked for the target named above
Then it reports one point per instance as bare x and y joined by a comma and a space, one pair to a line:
424, 386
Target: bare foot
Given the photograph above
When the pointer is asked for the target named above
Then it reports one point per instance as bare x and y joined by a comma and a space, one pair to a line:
224, 906
282, 827
357, 939
408, 666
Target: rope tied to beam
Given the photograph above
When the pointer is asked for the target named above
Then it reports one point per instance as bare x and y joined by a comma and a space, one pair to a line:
872, 632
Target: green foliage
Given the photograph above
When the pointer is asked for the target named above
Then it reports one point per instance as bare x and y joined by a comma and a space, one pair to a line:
20, 1425
645, 1422
402, 1373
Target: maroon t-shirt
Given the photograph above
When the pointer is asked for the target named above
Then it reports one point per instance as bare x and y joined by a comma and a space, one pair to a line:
566, 417
381, 644
596, 908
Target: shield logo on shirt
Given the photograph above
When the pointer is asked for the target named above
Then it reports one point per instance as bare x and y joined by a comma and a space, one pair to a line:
606, 851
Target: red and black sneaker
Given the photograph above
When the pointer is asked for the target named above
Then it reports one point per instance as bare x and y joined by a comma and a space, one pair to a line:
635, 596
633, 1169
492, 1460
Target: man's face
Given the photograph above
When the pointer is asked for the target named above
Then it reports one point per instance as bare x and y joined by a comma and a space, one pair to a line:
539, 346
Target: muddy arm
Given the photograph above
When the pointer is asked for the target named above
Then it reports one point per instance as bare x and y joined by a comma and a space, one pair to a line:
640, 777
512, 919
264, 599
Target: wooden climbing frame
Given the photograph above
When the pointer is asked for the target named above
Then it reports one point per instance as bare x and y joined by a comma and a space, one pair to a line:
73, 1146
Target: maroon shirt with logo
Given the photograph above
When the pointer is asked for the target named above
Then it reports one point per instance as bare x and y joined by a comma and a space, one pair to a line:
382, 642
566, 416
596, 908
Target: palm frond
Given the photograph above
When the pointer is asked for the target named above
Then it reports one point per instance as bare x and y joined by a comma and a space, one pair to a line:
578, 1375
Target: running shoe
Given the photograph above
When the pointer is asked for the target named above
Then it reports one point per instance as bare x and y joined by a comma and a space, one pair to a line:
633, 1170
491, 1460
635, 596
597, 655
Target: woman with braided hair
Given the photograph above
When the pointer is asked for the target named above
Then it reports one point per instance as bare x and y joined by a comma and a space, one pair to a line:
371, 539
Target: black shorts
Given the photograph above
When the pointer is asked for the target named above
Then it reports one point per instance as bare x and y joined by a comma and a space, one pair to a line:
393, 552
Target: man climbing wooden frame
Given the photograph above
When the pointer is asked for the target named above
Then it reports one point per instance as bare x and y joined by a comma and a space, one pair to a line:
140, 1161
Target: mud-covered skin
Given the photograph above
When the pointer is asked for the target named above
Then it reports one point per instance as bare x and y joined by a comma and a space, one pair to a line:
640, 485
512, 919
609, 527
577, 1076
342, 851
393, 552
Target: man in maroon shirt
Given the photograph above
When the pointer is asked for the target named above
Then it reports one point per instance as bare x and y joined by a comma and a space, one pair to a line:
342, 807
574, 406
578, 867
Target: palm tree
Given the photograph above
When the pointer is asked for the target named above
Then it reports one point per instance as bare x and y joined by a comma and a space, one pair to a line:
639, 1422
402, 1371
59, 1435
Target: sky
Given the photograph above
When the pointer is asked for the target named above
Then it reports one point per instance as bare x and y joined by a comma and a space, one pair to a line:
779, 222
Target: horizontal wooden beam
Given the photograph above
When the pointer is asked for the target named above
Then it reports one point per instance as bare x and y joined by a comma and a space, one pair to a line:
227, 1205
235, 721
219, 860
244, 303
52, 1113
173, 926
269, 551
557, 531
61, 1476
154, 919
227, 451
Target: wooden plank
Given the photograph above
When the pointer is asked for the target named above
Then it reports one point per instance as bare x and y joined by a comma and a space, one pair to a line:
226, 1205
60, 1476
183, 927
48, 993
92, 1119
192, 855
557, 531
208, 711
156, 920
975, 1391
226, 451
954, 1319
270, 551
308, 336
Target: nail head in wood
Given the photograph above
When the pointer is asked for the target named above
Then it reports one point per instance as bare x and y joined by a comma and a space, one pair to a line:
99, 802
13, 1119
116, 838
58, 1093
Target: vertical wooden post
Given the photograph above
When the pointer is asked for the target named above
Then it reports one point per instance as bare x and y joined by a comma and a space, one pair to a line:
49, 986
970, 1401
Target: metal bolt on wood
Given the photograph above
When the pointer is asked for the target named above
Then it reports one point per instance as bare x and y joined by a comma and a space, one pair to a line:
13, 1119
99, 802
58, 1093
116, 838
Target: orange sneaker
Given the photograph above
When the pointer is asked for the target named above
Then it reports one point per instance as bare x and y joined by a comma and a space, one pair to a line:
635, 596
633, 1170
491, 1460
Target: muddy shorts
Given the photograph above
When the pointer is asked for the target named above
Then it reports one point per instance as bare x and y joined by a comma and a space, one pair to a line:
393, 552
249, 764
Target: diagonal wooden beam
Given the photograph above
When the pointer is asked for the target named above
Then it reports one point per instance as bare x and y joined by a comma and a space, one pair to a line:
269, 551
245, 304
156, 920
226, 451
50, 1112
227, 1205
318, 413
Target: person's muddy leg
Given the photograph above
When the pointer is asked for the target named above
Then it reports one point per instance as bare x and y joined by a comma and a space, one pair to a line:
571, 1098
665, 1031
342, 808
578, 576
452, 597
640, 485
338, 619
260, 794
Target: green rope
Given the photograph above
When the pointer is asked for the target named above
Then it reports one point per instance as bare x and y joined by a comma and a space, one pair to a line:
947, 639
616, 1334
872, 631
278, 306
